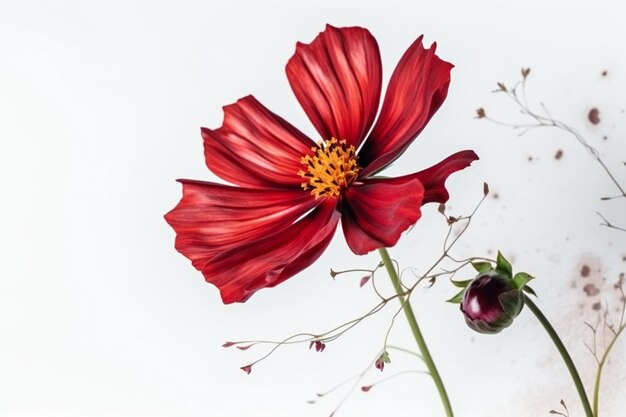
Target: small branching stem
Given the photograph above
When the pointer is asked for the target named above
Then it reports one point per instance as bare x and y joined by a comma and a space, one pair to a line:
615, 334
547, 120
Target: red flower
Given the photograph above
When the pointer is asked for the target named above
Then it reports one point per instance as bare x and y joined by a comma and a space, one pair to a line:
289, 192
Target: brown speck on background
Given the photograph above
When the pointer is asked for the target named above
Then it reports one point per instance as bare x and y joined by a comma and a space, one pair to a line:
530, 158
588, 271
496, 196
594, 116
605, 73
591, 290
596, 306
585, 271
605, 137
558, 155
619, 282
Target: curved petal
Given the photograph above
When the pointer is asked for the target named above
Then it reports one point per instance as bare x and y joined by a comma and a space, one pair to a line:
254, 147
212, 218
242, 270
337, 80
417, 89
375, 213
434, 178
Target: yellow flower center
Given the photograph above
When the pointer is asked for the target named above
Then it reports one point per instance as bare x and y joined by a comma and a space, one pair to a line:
331, 169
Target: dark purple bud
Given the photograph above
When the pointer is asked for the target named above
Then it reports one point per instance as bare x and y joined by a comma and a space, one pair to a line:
382, 360
491, 302
319, 346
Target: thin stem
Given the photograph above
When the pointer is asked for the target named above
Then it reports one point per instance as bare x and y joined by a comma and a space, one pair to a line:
596, 388
564, 354
419, 338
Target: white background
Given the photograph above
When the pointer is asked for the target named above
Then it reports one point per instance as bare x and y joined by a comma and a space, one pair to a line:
100, 111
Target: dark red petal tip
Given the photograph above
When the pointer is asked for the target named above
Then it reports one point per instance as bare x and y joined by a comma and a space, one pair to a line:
434, 178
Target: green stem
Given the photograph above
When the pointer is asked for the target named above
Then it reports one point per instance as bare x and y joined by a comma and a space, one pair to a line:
419, 338
596, 388
564, 354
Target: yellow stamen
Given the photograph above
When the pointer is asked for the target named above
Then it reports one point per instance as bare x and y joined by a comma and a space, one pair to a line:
331, 169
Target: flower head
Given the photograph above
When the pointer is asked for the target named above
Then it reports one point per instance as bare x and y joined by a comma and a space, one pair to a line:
491, 302
290, 192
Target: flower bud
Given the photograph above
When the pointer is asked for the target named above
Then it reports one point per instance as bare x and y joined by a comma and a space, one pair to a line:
491, 302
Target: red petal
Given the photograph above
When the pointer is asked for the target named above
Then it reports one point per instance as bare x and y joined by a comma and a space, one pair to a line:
254, 147
337, 80
211, 218
266, 262
417, 88
376, 213
434, 178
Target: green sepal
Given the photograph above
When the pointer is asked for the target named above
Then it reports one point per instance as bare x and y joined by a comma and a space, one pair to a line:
457, 298
385, 357
521, 279
461, 284
529, 290
512, 303
503, 266
482, 266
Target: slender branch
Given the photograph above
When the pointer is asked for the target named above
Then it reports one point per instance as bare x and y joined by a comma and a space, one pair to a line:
596, 388
615, 335
538, 120
609, 224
